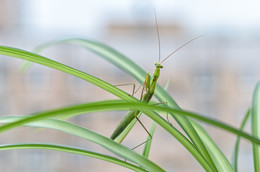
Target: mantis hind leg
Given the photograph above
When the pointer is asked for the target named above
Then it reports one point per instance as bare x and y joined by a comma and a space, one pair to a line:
150, 136
147, 86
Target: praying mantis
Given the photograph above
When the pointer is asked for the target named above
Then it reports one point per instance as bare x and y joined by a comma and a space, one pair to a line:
149, 86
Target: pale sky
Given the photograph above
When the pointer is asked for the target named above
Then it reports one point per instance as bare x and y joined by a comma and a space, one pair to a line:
89, 16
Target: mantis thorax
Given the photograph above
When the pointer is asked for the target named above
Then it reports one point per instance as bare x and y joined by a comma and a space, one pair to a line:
156, 72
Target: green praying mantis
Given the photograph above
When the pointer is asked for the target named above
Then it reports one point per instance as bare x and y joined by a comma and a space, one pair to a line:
149, 85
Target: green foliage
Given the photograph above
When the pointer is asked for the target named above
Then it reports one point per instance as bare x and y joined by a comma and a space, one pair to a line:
256, 126
195, 139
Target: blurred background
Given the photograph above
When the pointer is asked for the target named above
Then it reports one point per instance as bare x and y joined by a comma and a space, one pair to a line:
214, 75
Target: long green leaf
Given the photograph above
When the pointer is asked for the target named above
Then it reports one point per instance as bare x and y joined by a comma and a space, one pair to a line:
122, 105
130, 67
14, 52
220, 160
236, 148
256, 126
73, 150
105, 142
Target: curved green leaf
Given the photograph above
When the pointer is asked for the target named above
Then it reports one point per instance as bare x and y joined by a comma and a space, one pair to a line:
13, 52
256, 126
122, 105
220, 160
73, 150
236, 148
76, 130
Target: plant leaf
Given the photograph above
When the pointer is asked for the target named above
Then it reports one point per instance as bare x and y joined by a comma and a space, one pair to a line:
236, 147
122, 105
220, 160
73, 150
76, 130
13, 52
256, 125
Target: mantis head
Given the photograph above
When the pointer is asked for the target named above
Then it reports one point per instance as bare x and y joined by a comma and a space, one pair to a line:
157, 65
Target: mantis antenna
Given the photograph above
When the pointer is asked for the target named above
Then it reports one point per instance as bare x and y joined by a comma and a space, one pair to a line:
158, 35
181, 47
